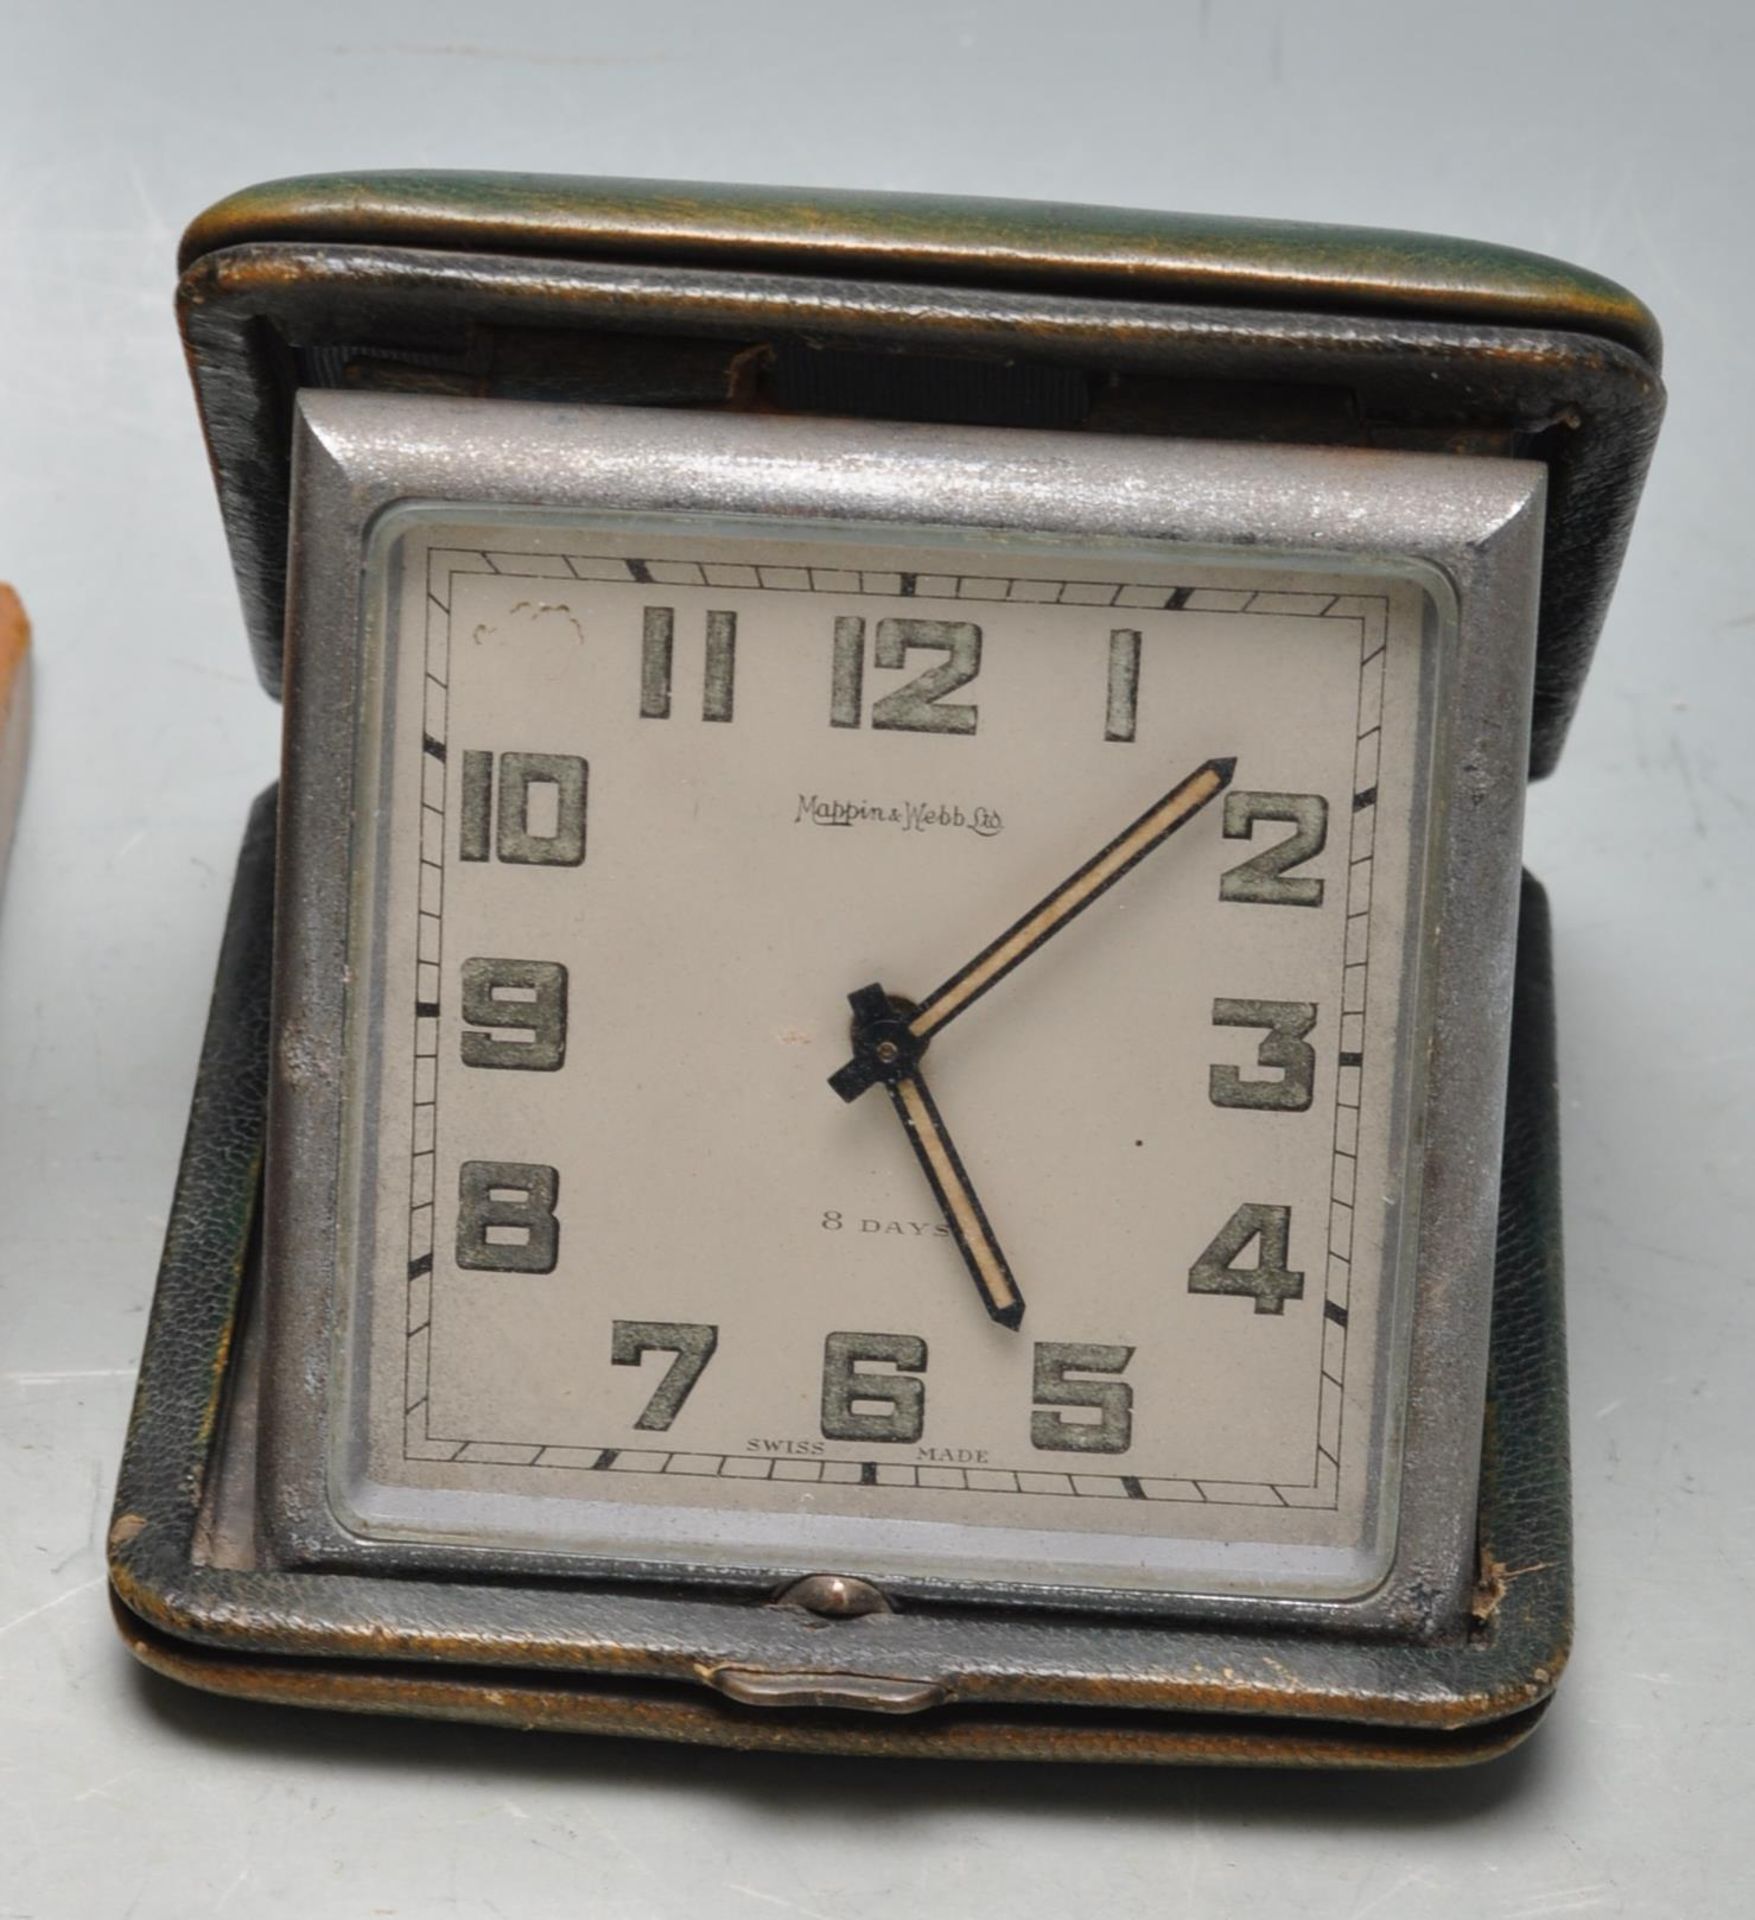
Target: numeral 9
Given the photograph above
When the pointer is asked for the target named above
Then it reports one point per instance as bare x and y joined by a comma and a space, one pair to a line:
540, 1010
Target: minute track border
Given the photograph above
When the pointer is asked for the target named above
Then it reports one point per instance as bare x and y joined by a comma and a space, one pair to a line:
1371, 611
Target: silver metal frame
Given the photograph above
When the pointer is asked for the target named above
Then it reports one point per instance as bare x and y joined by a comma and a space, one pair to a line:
1479, 522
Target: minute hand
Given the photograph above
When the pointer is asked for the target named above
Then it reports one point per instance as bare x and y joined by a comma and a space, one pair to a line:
880, 1055
1071, 897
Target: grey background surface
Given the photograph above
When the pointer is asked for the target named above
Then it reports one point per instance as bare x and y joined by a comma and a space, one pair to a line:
1611, 134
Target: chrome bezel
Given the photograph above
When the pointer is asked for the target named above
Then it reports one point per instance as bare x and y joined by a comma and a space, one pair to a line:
1475, 521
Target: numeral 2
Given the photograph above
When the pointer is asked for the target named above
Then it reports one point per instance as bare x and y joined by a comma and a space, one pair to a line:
919, 706
1260, 879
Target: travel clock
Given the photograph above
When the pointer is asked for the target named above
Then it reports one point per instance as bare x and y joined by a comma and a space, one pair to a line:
900, 1097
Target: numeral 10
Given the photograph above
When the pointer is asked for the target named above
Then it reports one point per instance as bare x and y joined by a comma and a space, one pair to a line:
536, 801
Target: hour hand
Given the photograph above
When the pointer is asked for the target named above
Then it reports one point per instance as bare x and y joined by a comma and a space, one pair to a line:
884, 1050
963, 1212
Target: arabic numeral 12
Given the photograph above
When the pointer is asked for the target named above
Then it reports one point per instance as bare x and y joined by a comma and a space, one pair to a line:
918, 705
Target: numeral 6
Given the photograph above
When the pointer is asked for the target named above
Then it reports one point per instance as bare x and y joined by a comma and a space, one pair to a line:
896, 1401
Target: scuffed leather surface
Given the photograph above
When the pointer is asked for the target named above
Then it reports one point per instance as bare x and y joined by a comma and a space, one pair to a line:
213, 1217
1526, 1533
1025, 1685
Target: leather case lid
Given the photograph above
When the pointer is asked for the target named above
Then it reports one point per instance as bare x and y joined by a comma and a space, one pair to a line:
923, 238
1093, 319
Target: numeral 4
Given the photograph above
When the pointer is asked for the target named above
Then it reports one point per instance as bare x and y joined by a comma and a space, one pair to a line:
1268, 1283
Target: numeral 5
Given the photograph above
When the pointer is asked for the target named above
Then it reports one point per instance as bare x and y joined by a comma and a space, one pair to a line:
1112, 1431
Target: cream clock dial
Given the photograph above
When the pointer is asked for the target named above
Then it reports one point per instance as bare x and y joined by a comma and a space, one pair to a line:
1096, 1274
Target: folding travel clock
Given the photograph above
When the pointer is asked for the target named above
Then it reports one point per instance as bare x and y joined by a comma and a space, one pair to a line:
884, 1083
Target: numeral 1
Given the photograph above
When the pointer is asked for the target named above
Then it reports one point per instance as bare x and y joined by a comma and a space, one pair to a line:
1124, 684
847, 673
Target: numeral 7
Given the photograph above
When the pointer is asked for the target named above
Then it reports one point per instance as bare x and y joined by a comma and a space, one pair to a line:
693, 1346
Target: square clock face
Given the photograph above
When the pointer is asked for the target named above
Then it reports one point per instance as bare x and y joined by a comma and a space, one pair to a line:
880, 1035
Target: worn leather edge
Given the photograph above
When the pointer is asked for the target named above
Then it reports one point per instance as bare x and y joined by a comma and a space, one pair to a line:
189, 1335
551, 1705
1210, 257
1526, 1529
418, 1646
